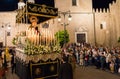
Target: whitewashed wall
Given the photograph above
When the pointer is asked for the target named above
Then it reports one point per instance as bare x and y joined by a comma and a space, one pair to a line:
7, 18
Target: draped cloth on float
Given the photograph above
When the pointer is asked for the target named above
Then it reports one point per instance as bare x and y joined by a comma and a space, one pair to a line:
43, 66
42, 12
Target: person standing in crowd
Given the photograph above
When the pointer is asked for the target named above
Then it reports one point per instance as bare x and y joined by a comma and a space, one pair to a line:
13, 62
86, 58
102, 61
77, 54
65, 71
1, 69
108, 59
112, 66
97, 61
116, 64
81, 58
119, 64
72, 60
90, 54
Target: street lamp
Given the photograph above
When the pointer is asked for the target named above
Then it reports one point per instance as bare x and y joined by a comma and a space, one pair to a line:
6, 55
64, 21
6, 26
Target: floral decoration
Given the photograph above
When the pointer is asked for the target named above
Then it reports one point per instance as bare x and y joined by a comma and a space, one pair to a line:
31, 49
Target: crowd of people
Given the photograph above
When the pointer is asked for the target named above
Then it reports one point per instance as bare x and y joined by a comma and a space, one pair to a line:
84, 54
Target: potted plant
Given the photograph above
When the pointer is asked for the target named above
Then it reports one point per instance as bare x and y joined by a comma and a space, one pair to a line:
62, 36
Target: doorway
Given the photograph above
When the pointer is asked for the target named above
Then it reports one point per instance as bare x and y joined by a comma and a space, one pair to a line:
80, 37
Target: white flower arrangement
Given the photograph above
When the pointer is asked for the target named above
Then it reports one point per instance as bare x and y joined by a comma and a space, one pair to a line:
31, 49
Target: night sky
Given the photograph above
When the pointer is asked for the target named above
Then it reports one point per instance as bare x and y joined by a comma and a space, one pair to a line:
8, 5
11, 5
101, 3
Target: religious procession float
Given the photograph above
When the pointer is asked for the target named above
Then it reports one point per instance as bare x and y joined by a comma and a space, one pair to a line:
37, 49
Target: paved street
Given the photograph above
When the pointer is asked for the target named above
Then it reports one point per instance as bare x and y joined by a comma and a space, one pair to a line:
83, 73
9, 75
93, 73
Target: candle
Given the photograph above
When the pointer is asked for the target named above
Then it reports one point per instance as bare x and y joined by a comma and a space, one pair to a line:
27, 33
51, 37
31, 35
46, 36
40, 35
38, 38
35, 37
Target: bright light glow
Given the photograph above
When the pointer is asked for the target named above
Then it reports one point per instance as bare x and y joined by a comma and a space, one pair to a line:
59, 18
69, 17
9, 27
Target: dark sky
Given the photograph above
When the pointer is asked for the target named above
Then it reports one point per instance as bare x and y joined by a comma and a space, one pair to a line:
8, 5
11, 5
101, 3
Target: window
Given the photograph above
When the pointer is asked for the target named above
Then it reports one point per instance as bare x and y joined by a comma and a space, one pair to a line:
74, 2
80, 37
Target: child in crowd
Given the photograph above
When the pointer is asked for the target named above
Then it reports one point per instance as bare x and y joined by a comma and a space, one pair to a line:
81, 59
112, 66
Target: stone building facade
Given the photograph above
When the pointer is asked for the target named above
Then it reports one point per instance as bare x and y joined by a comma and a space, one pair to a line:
99, 27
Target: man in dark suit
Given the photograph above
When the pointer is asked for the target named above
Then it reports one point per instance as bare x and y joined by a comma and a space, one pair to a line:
65, 71
13, 62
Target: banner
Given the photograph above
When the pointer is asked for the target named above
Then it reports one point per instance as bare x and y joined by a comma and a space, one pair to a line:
42, 12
